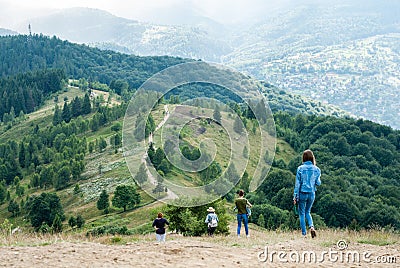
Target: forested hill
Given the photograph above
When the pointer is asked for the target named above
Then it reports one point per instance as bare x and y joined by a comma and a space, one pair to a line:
23, 93
21, 53
73, 153
360, 164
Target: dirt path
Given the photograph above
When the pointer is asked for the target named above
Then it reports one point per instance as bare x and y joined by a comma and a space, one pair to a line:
170, 195
261, 250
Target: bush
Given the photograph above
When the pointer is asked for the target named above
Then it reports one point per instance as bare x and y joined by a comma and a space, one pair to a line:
190, 220
108, 229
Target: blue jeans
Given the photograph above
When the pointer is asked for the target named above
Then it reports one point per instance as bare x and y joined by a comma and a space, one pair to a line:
243, 217
306, 201
160, 237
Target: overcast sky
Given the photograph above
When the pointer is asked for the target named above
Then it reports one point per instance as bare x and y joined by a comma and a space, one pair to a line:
223, 11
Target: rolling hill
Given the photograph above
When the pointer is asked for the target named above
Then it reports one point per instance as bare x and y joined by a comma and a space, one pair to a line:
343, 53
74, 154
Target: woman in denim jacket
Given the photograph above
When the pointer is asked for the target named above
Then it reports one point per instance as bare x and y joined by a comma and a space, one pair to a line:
308, 176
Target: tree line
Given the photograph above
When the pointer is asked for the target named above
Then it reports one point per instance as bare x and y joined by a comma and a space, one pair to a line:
360, 163
23, 93
21, 53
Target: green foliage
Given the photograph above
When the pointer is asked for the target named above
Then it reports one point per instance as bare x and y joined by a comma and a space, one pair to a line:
275, 217
261, 221
57, 224
103, 202
44, 228
72, 221
108, 229
359, 160
158, 157
63, 178
212, 172
217, 114
80, 221
13, 207
43, 209
190, 221
124, 196
19, 190
165, 166
25, 92
77, 189
3, 192
141, 175
78, 60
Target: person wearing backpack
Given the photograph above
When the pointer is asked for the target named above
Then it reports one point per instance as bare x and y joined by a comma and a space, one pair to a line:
242, 204
211, 220
308, 176
160, 224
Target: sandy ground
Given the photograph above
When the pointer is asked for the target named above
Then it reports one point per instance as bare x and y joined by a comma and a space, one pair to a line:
217, 251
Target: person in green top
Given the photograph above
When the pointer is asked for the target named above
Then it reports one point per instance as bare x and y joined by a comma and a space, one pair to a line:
241, 204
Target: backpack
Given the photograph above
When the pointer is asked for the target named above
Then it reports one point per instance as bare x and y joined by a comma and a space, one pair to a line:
213, 222
248, 212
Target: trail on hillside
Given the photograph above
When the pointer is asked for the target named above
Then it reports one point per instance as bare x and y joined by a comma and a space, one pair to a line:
170, 195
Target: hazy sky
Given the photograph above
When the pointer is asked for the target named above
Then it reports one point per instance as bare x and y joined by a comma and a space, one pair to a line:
224, 11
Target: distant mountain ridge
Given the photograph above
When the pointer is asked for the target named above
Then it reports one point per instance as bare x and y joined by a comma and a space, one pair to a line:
7, 32
81, 61
100, 28
344, 53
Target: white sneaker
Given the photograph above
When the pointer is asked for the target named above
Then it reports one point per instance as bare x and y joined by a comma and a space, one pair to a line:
238, 235
248, 236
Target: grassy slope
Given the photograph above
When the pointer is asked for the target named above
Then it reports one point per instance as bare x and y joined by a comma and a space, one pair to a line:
107, 169
114, 172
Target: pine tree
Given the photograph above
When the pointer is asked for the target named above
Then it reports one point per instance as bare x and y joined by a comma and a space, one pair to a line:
124, 196
76, 107
217, 114
3, 192
35, 180
158, 157
141, 176
245, 152
102, 144
80, 221
66, 113
117, 140
238, 125
261, 112
63, 178
76, 189
86, 106
57, 117
21, 155
261, 221
158, 189
13, 207
150, 126
103, 203
57, 224
72, 221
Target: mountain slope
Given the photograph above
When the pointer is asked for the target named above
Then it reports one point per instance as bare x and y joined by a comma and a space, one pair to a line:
7, 32
80, 61
78, 155
346, 53
100, 28
324, 51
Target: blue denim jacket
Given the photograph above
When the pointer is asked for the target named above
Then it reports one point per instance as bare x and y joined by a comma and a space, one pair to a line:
211, 216
308, 177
